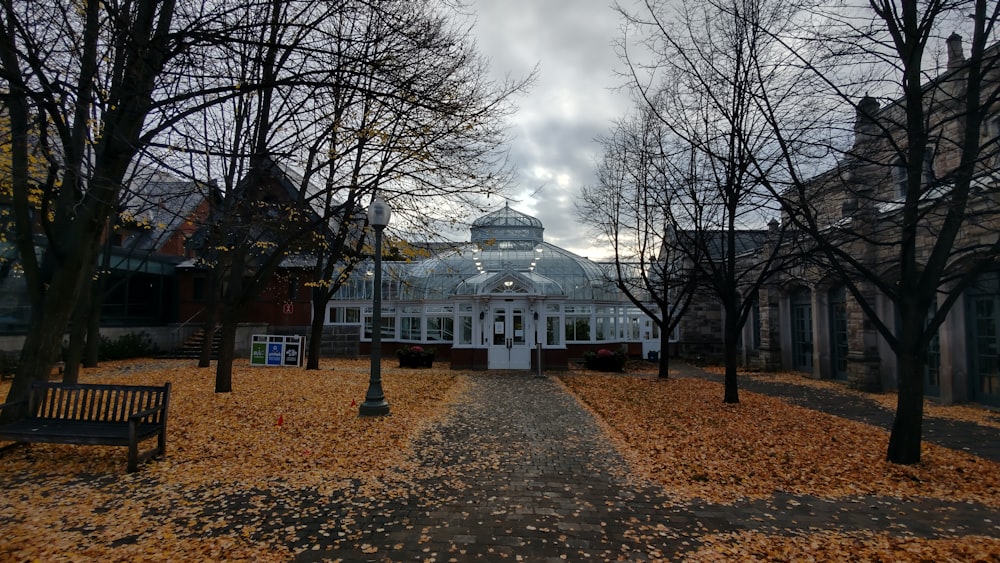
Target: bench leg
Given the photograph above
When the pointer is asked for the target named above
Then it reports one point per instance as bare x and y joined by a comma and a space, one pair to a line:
161, 443
133, 458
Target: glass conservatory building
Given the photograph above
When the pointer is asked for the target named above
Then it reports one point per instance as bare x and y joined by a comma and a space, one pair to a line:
505, 300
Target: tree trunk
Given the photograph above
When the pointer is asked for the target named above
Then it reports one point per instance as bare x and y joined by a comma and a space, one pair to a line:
49, 319
77, 337
74, 353
731, 357
227, 347
316, 333
208, 326
907, 426
664, 369
43, 342
208, 329
92, 347
732, 393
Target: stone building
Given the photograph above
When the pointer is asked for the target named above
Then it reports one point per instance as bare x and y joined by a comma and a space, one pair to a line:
806, 320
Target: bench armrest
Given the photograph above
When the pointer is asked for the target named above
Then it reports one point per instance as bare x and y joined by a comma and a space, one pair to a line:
143, 414
12, 403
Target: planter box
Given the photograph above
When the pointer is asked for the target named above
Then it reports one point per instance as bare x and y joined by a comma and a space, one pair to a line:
416, 360
601, 362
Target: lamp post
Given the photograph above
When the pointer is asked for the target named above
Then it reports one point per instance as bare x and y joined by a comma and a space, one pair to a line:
375, 403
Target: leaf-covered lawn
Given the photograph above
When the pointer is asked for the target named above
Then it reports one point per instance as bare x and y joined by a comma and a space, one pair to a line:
678, 433
65, 503
229, 462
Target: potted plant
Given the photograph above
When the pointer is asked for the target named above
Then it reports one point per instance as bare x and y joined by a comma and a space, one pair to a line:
415, 357
605, 360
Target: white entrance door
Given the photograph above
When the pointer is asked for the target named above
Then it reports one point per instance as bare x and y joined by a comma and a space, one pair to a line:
509, 343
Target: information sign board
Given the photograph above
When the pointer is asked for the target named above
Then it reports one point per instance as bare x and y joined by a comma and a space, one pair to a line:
276, 350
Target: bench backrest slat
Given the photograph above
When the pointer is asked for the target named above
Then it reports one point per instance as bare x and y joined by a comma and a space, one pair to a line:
114, 399
95, 402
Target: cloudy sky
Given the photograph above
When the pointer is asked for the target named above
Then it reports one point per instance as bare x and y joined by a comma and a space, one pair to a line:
573, 101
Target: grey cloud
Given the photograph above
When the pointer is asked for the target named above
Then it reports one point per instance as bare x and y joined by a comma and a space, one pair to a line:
571, 103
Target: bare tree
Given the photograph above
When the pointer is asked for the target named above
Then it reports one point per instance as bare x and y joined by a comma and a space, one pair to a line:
700, 83
631, 207
917, 224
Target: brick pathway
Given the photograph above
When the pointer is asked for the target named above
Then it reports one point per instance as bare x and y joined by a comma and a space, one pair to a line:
522, 472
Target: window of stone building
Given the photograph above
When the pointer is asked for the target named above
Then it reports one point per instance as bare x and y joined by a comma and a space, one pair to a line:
802, 335
388, 322
899, 174
553, 322
464, 324
983, 326
838, 332
344, 315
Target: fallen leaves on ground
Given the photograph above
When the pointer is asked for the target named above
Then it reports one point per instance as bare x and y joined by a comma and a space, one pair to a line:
679, 434
976, 413
76, 503
246, 473
829, 546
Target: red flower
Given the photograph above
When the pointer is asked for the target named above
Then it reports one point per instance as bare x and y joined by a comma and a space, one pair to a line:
605, 353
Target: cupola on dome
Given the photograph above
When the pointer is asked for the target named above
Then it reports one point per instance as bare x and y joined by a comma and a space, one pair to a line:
508, 228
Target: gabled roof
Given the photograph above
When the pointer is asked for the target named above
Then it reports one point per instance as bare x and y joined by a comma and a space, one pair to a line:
714, 242
162, 203
293, 180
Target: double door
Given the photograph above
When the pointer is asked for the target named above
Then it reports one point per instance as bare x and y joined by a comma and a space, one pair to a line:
509, 341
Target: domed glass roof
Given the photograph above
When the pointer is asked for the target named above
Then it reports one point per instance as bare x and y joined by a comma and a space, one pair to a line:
506, 255
507, 225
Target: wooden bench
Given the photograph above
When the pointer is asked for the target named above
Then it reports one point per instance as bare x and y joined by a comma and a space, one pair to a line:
93, 414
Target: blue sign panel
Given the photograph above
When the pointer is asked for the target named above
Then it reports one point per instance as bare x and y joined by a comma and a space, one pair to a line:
275, 354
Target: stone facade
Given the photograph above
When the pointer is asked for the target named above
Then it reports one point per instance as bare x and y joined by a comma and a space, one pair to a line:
805, 320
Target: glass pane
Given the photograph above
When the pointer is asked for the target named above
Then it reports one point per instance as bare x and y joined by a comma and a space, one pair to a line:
388, 327
517, 323
409, 328
578, 329
439, 328
499, 328
465, 330
986, 349
552, 331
